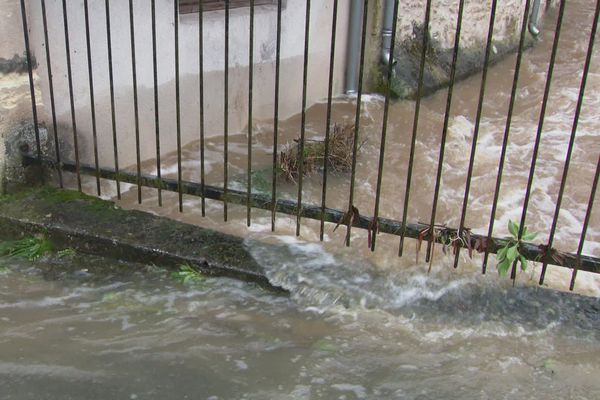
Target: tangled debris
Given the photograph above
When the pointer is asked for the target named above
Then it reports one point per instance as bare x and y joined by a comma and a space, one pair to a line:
339, 159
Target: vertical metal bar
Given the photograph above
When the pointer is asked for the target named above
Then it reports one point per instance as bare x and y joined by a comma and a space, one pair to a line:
250, 82
357, 118
51, 91
226, 115
486, 63
71, 97
511, 107
586, 222
201, 111
413, 142
156, 104
178, 104
303, 126
386, 108
276, 116
328, 120
540, 129
91, 87
135, 102
438, 179
563, 181
31, 82
112, 99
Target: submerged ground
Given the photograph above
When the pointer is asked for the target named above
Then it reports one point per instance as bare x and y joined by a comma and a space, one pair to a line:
76, 326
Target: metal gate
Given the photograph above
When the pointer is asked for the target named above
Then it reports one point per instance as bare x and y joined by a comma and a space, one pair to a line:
459, 236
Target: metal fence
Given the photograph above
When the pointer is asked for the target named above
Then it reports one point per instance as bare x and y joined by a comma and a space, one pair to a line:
430, 232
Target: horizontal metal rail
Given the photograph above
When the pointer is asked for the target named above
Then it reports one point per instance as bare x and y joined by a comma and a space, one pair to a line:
531, 251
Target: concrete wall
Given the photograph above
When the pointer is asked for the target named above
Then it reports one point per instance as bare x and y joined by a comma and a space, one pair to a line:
442, 30
411, 17
13, 85
264, 55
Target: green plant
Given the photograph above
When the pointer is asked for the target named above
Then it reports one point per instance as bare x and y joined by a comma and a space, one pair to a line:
188, 275
30, 248
511, 252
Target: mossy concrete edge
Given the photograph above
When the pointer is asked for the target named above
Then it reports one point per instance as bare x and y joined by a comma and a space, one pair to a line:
93, 226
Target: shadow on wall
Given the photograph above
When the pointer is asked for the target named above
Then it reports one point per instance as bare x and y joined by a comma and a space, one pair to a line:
16, 64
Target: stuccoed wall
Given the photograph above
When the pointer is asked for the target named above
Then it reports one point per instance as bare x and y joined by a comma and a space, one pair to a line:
442, 30
292, 50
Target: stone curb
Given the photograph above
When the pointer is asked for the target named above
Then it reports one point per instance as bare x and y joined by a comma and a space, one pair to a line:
92, 226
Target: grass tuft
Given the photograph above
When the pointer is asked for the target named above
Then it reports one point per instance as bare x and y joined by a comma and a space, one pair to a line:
188, 275
29, 248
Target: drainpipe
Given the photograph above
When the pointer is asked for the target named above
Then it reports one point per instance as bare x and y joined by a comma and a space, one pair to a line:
353, 55
535, 16
386, 32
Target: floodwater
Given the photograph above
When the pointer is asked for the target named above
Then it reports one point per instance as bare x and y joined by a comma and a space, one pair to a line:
357, 325
138, 334
555, 138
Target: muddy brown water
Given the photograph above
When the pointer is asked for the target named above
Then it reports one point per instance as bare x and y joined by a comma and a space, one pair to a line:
357, 325
557, 129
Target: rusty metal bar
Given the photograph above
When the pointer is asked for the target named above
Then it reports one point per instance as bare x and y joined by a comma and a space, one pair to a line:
357, 118
201, 101
511, 108
112, 97
412, 230
328, 118
51, 92
586, 223
136, 112
386, 109
415, 129
303, 122
91, 88
276, 115
156, 103
250, 92
71, 95
36, 127
178, 103
565, 173
538, 137
486, 63
226, 112
438, 179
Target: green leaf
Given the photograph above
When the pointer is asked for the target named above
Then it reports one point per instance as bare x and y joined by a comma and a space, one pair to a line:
513, 228
512, 253
503, 267
524, 263
529, 236
501, 255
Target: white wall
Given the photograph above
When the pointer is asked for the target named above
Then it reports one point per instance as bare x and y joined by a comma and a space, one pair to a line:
264, 55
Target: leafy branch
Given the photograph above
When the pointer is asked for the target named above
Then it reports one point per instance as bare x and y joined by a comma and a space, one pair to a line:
511, 252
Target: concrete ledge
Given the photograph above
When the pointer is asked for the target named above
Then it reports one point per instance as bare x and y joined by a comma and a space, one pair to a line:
93, 226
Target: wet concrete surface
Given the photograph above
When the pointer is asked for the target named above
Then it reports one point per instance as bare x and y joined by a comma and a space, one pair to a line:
93, 226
